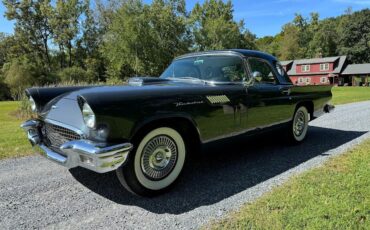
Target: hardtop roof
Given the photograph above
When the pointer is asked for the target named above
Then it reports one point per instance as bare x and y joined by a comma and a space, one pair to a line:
239, 52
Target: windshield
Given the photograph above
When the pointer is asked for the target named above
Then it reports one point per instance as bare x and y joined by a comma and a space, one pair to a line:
208, 68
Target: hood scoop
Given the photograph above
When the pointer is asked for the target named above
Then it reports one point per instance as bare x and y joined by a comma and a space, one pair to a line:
139, 81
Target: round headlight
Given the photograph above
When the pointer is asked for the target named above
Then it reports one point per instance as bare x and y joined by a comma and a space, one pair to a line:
33, 104
88, 115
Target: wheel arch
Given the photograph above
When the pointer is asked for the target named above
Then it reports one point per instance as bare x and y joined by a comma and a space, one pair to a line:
309, 106
182, 123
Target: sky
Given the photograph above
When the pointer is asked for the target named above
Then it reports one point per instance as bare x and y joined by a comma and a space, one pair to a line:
262, 17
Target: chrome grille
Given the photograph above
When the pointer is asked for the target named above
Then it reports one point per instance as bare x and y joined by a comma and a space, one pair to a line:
56, 135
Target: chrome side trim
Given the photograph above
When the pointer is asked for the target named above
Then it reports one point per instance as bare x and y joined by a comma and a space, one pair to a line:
246, 131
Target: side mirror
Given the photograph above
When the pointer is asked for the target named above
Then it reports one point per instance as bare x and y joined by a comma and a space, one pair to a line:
256, 75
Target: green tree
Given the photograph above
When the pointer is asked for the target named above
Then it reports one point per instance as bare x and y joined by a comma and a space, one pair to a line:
269, 44
213, 27
289, 43
75, 74
142, 39
32, 27
324, 41
87, 54
354, 36
20, 74
64, 20
4, 48
248, 40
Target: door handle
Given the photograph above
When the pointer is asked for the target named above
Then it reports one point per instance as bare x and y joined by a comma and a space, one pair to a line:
285, 91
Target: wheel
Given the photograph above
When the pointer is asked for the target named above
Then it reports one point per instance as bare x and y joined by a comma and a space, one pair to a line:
299, 125
155, 163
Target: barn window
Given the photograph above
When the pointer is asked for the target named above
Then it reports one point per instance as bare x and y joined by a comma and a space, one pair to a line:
305, 68
324, 67
308, 80
300, 80
323, 79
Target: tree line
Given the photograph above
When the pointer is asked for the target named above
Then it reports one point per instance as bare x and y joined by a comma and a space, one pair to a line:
70, 41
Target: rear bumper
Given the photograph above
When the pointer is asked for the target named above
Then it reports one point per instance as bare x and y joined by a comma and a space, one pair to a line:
326, 109
96, 156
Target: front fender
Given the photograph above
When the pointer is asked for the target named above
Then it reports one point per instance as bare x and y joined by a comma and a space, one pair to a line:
185, 118
43, 95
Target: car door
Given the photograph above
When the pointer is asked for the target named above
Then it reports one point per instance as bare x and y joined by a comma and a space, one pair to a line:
269, 102
224, 112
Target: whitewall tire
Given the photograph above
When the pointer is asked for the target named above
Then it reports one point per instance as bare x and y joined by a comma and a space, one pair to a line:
299, 124
155, 163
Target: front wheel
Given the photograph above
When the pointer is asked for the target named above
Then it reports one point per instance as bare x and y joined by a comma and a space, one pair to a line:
155, 163
299, 125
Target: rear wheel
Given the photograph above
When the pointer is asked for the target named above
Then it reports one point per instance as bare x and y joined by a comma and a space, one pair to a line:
299, 125
155, 163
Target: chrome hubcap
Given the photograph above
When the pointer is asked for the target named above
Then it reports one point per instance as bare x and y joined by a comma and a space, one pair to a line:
299, 123
159, 157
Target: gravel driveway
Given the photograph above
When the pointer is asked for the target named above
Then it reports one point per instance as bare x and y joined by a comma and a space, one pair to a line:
35, 193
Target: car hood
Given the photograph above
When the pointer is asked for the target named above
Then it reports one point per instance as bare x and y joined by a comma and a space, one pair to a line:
140, 89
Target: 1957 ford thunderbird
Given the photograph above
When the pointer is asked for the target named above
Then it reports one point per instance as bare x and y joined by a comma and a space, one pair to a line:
146, 129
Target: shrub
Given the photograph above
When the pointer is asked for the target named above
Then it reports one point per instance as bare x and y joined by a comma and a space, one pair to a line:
75, 74
24, 110
18, 75
4, 90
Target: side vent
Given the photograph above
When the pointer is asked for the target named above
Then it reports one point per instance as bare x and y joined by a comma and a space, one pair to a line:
218, 99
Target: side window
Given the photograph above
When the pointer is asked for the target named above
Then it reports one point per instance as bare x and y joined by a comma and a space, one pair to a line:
262, 70
234, 71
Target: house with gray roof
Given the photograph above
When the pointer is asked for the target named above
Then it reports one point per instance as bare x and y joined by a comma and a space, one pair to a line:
357, 74
325, 71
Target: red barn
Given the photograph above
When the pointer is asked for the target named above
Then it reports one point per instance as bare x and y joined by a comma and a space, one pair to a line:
315, 71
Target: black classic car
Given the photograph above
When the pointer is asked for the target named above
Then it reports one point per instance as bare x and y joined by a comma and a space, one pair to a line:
146, 129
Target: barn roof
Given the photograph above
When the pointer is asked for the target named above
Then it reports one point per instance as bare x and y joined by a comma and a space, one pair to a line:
357, 69
338, 68
285, 63
316, 60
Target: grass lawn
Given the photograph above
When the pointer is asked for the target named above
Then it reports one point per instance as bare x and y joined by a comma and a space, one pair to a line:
334, 196
343, 95
13, 141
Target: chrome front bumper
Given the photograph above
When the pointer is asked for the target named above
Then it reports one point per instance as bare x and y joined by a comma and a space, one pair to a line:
98, 157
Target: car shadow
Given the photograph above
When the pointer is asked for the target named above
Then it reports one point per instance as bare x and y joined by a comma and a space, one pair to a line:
223, 169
